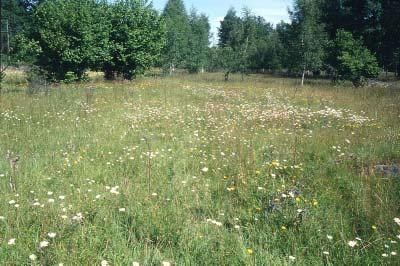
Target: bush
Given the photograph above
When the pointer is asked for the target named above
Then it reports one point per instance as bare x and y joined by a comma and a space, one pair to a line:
136, 38
70, 77
72, 36
351, 60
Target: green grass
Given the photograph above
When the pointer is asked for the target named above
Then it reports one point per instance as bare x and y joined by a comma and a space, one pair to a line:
239, 173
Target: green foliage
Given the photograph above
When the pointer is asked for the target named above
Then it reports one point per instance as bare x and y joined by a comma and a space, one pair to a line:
390, 49
236, 37
264, 54
229, 61
136, 38
26, 50
72, 36
16, 14
307, 37
70, 77
122, 38
351, 60
175, 53
198, 42
375, 21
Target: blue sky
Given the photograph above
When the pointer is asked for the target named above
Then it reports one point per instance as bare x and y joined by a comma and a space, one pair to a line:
272, 10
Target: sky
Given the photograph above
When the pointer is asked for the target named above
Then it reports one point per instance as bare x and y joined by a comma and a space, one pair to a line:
272, 10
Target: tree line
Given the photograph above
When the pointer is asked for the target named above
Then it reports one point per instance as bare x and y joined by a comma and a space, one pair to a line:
342, 39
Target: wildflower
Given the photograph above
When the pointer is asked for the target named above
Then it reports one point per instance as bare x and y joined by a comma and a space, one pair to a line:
32, 257
373, 227
11, 202
314, 202
78, 217
166, 263
114, 190
121, 209
397, 221
230, 189
237, 227
398, 236
52, 235
393, 253
292, 258
249, 251
347, 141
11, 242
325, 253
2, 218
61, 197
104, 263
218, 223
43, 244
385, 255
204, 169
329, 237
283, 228
359, 239
352, 243
135, 263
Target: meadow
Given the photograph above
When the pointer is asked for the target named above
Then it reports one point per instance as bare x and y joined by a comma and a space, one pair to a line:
192, 170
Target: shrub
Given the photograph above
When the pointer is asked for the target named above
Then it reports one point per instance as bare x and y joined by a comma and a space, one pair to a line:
136, 38
351, 60
72, 36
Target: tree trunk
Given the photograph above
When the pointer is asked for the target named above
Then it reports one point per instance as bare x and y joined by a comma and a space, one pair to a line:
302, 77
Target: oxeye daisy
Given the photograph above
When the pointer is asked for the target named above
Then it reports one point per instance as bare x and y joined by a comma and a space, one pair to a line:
43, 244
352, 243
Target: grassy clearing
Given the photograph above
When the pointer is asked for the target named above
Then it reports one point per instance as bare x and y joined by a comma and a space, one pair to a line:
195, 171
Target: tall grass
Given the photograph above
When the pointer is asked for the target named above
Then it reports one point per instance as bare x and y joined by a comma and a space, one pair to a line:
195, 171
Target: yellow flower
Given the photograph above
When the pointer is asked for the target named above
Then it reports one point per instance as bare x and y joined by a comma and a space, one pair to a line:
249, 251
258, 172
283, 228
374, 227
298, 199
315, 202
275, 163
